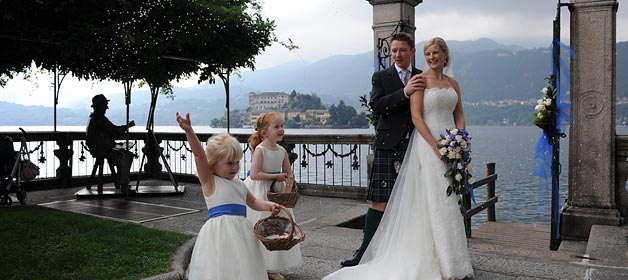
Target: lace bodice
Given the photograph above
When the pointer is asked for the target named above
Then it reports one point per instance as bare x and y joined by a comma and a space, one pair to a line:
438, 109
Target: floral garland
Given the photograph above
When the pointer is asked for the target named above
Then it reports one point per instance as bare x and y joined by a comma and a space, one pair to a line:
545, 115
455, 147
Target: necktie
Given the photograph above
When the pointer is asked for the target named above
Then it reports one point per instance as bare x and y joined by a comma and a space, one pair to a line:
405, 74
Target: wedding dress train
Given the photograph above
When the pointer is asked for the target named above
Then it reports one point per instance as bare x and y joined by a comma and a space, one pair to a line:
421, 235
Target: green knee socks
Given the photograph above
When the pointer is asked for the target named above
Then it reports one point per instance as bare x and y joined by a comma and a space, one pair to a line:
373, 217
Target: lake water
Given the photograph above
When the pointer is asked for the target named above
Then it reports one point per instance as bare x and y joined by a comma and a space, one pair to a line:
511, 148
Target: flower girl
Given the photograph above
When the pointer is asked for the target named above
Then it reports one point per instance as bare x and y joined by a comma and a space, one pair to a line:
271, 163
226, 247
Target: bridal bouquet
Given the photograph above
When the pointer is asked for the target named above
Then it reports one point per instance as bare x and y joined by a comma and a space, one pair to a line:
545, 115
455, 147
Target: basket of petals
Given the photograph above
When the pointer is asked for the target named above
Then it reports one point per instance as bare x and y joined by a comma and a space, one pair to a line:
287, 199
277, 232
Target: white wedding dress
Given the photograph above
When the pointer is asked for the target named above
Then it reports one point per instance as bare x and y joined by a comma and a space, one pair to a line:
421, 235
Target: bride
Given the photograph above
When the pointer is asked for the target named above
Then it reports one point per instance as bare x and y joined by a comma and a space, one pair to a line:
422, 235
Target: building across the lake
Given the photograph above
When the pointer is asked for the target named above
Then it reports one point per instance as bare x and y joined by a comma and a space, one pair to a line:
268, 101
260, 103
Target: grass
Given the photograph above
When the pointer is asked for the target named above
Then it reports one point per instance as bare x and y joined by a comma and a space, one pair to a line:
43, 243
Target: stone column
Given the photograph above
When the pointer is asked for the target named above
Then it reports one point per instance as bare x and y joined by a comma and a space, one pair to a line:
153, 151
64, 154
389, 17
592, 197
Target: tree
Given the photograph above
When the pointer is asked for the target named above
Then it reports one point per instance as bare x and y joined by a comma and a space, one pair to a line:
218, 122
342, 115
304, 102
360, 120
127, 41
94, 39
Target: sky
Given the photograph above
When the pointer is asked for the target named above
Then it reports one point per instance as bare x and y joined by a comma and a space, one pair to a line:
323, 28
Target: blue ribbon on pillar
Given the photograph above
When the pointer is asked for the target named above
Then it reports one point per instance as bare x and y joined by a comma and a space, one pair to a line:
380, 61
543, 170
563, 118
543, 151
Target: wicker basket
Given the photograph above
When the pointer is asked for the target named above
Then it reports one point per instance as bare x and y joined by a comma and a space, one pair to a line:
269, 229
288, 200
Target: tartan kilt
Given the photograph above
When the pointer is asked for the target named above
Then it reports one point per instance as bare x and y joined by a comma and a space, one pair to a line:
383, 173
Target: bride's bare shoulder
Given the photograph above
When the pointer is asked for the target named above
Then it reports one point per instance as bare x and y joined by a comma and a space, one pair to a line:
452, 81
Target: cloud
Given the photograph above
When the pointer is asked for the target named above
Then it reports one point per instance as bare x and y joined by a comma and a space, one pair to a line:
322, 28
326, 27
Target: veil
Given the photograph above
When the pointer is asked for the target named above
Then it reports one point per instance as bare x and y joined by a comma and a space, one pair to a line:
406, 230
387, 256
403, 246
447, 70
394, 234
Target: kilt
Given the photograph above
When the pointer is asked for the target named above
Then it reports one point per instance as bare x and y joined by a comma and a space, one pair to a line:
384, 173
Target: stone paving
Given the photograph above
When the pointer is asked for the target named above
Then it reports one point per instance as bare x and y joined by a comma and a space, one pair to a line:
326, 244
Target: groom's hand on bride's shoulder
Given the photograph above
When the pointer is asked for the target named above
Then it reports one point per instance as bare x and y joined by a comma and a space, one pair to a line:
416, 83
420, 82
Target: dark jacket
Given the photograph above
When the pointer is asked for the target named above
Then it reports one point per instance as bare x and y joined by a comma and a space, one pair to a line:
389, 102
101, 134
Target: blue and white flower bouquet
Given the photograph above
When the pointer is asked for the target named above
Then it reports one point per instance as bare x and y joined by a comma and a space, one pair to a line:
455, 147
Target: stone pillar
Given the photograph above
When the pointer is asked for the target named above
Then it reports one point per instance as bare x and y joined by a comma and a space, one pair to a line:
153, 151
592, 196
389, 17
64, 154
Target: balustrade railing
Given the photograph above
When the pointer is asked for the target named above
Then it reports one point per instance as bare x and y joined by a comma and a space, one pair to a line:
317, 160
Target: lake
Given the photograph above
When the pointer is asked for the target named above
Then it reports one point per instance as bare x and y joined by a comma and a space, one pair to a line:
511, 148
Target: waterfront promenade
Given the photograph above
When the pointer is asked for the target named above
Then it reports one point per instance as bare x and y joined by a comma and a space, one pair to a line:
498, 251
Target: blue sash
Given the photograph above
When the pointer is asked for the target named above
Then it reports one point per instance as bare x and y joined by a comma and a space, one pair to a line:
248, 173
227, 209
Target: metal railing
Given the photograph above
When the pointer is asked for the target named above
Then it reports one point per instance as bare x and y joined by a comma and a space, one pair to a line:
317, 159
489, 204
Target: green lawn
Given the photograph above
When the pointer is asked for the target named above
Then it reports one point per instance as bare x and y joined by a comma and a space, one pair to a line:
42, 243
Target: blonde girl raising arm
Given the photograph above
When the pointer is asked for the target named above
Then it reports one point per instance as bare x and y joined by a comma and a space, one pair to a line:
200, 158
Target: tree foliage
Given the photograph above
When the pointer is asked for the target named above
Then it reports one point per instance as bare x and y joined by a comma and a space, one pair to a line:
126, 40
302, 102
343, 115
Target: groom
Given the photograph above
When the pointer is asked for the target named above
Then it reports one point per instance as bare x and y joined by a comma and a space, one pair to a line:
391, 89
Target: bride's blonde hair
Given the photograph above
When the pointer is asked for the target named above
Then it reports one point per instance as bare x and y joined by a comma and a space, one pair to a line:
440, 42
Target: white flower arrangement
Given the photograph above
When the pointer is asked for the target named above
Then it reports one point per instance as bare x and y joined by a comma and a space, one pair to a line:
545, 115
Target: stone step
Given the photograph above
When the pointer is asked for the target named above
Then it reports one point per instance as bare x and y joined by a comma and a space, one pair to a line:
608, 245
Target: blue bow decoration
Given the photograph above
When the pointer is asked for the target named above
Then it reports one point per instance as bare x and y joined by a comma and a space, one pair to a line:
543, 151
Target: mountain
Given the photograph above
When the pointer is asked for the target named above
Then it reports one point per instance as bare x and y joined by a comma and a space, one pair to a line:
486, 70
482, 44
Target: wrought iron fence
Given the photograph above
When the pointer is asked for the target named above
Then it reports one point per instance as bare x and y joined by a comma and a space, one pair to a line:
332, 160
